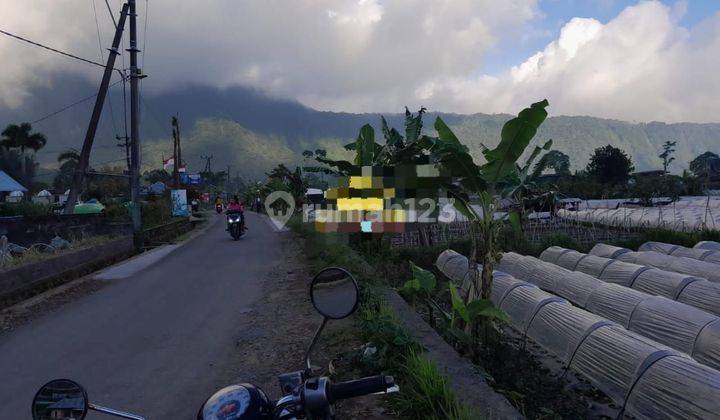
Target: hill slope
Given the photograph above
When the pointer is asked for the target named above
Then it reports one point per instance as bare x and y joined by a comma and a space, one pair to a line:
250, 131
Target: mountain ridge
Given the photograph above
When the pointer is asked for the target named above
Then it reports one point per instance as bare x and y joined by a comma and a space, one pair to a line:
284, 128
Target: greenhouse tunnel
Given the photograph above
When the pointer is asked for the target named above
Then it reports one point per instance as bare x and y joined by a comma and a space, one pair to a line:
637, 373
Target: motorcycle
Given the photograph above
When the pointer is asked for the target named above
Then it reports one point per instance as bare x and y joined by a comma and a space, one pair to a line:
236, 225
334, 294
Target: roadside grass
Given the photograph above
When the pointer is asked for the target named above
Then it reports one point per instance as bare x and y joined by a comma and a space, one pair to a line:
36, 254
424, 392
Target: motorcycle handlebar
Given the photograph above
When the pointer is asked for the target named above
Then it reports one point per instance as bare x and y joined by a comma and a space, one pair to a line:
360, 387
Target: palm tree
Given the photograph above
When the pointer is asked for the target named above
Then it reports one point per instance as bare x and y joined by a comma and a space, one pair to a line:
20, 137
70, 155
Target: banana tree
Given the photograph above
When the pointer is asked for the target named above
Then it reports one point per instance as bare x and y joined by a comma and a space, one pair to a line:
413, 148
484, 183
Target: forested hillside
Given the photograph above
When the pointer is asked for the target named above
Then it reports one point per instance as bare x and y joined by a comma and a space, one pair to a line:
250, 131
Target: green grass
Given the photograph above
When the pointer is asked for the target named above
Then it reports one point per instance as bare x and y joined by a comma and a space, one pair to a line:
424, 392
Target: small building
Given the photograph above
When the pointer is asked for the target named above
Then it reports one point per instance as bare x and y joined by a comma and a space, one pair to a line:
10, 190
43, 197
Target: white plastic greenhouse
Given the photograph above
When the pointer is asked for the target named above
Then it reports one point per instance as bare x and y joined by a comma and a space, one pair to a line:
683, 265
672, 323
702, 254
691, 290
687, 214
715, 246
647, 379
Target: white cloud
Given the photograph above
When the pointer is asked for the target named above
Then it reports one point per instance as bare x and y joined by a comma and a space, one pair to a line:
333, 54
375, 55
642, 65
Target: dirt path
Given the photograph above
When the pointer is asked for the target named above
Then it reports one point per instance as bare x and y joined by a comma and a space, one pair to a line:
281, 326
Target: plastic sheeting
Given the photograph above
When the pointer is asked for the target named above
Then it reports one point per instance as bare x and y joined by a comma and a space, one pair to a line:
560, 328
570, 259
663, 283
691, 290
615, 302
517, 265
615, 357
666, 321
648, 379
658, 247
552, 254
503, 284
621, 272
702, 254
715, 246
607, 251
701, 294
681, 324
676, 388
684, 265
578, 287
522, 303
593, 265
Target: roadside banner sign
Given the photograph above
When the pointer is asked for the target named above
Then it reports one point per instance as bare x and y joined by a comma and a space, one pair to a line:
179, 203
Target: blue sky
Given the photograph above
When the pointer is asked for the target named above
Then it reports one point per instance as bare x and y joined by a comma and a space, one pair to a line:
555, 13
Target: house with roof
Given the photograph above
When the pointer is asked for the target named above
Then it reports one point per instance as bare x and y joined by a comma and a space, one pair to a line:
10, 190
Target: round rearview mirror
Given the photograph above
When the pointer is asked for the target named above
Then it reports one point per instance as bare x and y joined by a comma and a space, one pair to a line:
334, 293
60, 399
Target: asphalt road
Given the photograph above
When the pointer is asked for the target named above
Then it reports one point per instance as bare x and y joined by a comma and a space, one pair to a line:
156, 344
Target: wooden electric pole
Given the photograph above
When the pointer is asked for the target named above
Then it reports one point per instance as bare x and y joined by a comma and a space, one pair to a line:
135, 75
177, 154
80, 172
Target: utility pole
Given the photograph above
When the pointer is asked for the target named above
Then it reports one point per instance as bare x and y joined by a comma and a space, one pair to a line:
208, 167
80, 171
135, 75
177, 154
125, 144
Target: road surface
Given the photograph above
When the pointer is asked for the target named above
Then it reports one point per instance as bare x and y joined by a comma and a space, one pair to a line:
156, 344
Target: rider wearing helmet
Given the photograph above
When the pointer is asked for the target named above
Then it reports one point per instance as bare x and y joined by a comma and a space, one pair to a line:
236, 206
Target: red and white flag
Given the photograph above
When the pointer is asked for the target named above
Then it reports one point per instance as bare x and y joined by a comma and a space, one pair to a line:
169, 164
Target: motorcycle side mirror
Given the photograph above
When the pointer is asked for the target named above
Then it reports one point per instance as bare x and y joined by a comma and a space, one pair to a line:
334, 293
63, 399
60, 399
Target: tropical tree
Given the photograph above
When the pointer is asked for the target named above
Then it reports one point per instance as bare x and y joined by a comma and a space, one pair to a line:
411, 149
706, 166
667, 154
294, 180
610, 165
22, 138
69, 161
556, 160
485, 183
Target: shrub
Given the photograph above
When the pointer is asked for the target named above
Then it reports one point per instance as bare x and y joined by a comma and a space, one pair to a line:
27, 209
561, 240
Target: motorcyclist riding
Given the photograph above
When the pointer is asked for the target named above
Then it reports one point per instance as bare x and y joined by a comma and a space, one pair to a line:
236, 206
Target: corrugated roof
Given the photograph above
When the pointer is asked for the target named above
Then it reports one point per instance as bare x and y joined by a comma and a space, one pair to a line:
8, 184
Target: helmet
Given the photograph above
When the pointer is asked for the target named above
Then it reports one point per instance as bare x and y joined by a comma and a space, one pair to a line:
237, 402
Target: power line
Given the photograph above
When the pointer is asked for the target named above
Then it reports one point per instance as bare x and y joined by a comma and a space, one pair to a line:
111, 13
102, 58
51, 49
71, 105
